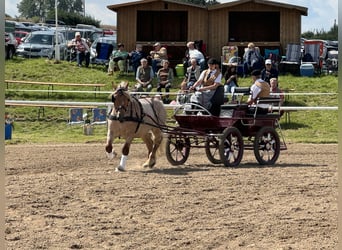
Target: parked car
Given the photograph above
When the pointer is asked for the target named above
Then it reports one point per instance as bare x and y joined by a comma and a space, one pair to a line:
10, 45
42, 44
94, 53
20, 35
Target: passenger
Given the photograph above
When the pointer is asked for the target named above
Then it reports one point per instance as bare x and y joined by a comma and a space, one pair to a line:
269, 72
206, 85
276, 91
82, 49
260, 88
165, 77
118, 59
135, 57
157, 55
144, 77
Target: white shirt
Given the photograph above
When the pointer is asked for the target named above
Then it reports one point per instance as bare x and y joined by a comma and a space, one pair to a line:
195, 53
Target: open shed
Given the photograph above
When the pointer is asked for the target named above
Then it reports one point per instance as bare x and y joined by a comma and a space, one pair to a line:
266, 23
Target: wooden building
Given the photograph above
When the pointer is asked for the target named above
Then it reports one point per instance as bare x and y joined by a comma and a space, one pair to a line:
268, 24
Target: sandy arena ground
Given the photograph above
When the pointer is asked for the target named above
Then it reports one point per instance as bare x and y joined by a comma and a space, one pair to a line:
69, 197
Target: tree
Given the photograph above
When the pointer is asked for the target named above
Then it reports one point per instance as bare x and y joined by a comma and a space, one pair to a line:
34, 8
332, 34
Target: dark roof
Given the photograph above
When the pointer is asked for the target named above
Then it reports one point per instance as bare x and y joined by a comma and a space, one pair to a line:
115, 7
302, 10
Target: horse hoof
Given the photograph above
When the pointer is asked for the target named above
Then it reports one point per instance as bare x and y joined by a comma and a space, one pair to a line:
120, 169
111, 155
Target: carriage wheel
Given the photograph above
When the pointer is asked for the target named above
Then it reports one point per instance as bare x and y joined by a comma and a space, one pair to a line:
177, 149
231, 147
212, 150
267, 146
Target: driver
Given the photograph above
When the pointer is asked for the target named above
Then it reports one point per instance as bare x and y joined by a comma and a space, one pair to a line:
260, 88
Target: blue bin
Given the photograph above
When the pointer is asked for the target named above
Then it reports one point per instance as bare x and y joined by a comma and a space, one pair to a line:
8, 131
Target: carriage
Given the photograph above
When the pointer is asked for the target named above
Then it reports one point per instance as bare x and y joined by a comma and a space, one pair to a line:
225, 136
224, 131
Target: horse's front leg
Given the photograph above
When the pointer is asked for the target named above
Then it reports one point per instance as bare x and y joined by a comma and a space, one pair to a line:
110, 137
124, 156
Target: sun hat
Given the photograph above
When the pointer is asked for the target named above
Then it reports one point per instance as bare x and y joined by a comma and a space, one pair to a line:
77, 33
156, 44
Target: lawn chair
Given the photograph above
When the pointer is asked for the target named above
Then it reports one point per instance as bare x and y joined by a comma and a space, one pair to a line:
99, 116
291, 63
75, 116
314, 54
103, 51
230, 57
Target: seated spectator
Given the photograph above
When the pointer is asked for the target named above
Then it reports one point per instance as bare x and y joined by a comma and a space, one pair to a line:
276, 91
192, 52
165, 78
82, 49
135, 57
230, 77
206, 85
144, 77
118, 60
269, 72
252, 59
157, 55
192, 74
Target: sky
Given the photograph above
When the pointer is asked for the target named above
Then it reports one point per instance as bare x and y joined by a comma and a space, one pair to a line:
321, 13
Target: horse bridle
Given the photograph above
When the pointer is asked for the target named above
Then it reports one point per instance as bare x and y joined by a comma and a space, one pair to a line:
120, 92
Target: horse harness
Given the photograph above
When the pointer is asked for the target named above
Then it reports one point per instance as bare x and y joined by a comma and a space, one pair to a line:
133, 117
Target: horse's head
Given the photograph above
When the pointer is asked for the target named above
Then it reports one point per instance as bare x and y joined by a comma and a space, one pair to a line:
121, 100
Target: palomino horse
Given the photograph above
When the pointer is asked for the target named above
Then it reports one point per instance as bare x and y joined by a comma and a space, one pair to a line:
135, 118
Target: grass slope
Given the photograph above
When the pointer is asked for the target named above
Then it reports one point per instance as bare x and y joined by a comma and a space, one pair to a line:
305, 126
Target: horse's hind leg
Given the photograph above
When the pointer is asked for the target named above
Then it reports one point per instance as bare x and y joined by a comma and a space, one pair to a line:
157, 140
149, 144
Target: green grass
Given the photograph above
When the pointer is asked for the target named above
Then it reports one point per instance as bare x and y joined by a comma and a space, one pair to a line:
305, 126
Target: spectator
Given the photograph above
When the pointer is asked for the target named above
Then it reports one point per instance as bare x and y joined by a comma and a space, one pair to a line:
276, 91
206, 85
144, 77
157, 55
135, 57
269, 72
191, 76
165, 78
82, 49
260, 88
118, 60
196, 54
230, 77
252, 59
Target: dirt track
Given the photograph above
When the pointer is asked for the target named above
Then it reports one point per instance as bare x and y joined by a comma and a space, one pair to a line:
69, 197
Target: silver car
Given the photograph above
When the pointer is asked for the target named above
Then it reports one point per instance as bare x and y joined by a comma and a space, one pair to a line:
42, 44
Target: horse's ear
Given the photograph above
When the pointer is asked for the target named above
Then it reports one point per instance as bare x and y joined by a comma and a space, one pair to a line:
124, 85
